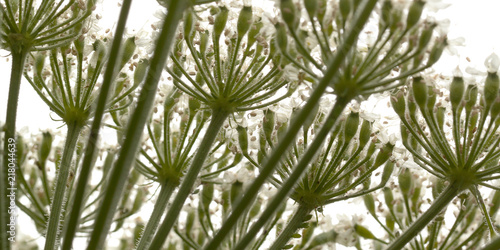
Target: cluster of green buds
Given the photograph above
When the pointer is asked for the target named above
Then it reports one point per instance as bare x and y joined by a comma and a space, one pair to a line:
215, 202
402, 45
462, 149
235, 74
49, 25
342, 170
402, 204
36, 183
173, 151
69, 92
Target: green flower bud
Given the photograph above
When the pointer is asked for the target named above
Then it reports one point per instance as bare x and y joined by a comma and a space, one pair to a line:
387, 172
45, 147
388, 197
188, 25
157, 131
369, 203
495, 109
414, 13
491, 86
39, 63
128, 51
194, 105
236, 190
244, 21
288, 12
457, 88
255, 209
268, 125
203, 42
431, 98
415, 197
226, 193
243, 139
405, 181
396, 17
311, 7
296, 235
289, 246
364, 232
364, 133
351, 126
384, 154
420, 92
345, 9
438, 187
436, 52
281, 38
207, 195
386, 13
440, 116
140, 72
398, 103
191, 216
220, 21
389, 223
425, 37
470, 97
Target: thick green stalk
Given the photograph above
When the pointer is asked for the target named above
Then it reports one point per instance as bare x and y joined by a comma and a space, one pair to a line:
18, 59
493, 245
272, 162
218, 118
298, 219
135, 127
437, 206
76, 207
294, 177
55, 216
158, 210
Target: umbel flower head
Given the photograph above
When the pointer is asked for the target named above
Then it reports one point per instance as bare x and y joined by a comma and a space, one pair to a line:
227, 69
461, 149
69, 88
389, 51
49, 25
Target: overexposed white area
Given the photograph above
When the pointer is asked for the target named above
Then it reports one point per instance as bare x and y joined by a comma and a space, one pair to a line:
474, 21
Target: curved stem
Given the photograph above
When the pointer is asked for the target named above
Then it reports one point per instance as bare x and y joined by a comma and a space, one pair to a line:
58, 200
294, 177
218, 118
292, 226
160, 205
437, 206
18, 60
271, 163
77, 204
136, 125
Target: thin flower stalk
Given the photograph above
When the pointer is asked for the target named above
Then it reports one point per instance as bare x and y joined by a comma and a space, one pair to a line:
72, 100
466, 161
235, 85
136, 125
71, 225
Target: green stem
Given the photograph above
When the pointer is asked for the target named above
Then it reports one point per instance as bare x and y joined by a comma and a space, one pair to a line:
218, 118
56, 209
493, 245
272, 162
437, 206
18, 60
77, 204
138, 119
294, 177
292, 226
160, 205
